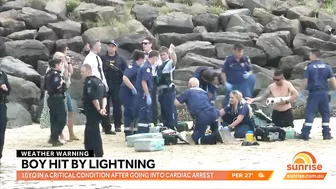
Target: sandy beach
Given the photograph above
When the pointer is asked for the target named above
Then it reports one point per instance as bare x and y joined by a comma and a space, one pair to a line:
272, 156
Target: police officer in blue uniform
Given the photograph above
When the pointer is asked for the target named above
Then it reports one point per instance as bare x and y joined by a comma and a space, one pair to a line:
144, 86
5, 90
114, 67
166, 88
237, 74
56, 87
316, 76
207, 77
128, 91
205, 114
95, 102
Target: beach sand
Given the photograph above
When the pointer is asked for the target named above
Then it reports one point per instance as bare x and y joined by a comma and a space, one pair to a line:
270, 156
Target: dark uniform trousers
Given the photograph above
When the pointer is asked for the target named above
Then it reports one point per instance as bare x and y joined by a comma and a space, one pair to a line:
113, 95
203, 119
92, 138
168, 109
154, 102
57, 115
3, 124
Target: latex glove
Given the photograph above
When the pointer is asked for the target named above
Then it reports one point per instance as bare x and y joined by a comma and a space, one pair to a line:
231, 128
300, 96
148, 100
228, 86
134, 91
246, 75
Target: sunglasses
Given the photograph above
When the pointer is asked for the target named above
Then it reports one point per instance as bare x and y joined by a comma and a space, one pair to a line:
274, 79
145, 43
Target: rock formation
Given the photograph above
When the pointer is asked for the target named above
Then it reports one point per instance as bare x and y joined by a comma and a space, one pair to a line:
276, 33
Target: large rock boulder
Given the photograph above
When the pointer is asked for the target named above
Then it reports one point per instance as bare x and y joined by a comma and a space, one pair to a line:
34, 19
191, 59
29, 51
17, 116
198, 47
177, 22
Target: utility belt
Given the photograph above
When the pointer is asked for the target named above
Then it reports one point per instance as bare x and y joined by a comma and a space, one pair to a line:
56, 95
165, 89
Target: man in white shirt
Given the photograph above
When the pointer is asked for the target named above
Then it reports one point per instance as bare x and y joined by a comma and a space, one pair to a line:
96, 64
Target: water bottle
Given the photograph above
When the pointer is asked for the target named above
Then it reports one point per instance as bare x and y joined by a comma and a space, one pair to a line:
249, 136
290, 133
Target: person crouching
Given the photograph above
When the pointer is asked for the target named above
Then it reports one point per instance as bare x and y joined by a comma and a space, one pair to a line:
199, 105
237, 115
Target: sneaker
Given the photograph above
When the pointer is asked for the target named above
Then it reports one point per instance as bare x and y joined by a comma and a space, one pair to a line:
118, 130
300, 136
57, 143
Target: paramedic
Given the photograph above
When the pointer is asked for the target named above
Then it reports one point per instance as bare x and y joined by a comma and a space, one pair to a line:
128, 91
317, 73
237, 115
200, 108
237, 74
208, 78
144, 87
166, 88
282, 115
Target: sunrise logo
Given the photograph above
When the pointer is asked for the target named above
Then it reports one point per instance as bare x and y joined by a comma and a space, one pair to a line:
304, 161
304, 167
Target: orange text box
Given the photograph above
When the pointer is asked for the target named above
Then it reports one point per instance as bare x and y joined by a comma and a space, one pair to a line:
260, 175
305, 176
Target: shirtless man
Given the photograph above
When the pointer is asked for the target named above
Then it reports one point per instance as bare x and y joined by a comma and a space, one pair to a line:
282, 115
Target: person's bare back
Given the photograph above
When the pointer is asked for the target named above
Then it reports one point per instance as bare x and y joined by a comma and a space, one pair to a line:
281, 91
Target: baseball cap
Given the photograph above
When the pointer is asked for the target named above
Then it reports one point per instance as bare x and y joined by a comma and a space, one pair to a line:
113, 43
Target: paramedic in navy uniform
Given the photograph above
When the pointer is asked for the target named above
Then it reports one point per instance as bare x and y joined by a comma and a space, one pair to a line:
128, 91
144, 87
96, 65
147, 45
56, 87
114, 67
208, 77
166, 87
317, 73
205, 114
94, 101
237, 74
5, 90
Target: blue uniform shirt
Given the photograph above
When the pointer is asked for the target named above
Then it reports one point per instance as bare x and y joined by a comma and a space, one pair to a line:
243, 109
209, 87
196, 99
131, 73
235, 70
317, 73
145, 74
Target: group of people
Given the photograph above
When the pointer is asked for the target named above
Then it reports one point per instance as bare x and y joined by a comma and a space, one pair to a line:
149, 78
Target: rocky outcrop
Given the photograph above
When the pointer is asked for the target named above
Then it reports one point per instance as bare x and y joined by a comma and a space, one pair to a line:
276, 34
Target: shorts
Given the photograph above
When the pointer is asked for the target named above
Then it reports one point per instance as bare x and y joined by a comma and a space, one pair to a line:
69, 102
283, 119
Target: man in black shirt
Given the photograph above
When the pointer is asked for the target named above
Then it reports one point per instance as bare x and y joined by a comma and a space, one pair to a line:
94, 100
5, 90
56, 87
114, 67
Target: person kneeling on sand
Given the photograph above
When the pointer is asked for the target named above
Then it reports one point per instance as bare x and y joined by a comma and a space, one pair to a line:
237, 115
200, 108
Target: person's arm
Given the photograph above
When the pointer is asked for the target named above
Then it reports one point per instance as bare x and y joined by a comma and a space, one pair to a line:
57, 81
294, 93
91, 91
146, 76
145, 87
9, 89
264, 96
123, 64
127, 82
249, 65
331, 77
173, 56
70, 67
66, 70
305, 81
244, 111
180, 100
224, 69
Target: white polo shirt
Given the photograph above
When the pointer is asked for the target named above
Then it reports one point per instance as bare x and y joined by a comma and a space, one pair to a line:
91, 59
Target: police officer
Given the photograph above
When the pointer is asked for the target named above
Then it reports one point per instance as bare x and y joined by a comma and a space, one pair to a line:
166, 87
94, 100
207, 77
237, 74
128, 91
316, 76
5, 90
144, 86
114, 67
205, 114
56, 87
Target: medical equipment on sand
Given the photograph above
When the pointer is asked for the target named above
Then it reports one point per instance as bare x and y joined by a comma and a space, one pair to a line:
131, 139
149, 144
276, 100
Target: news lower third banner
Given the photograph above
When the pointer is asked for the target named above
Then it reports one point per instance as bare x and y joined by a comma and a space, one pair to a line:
81, 165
